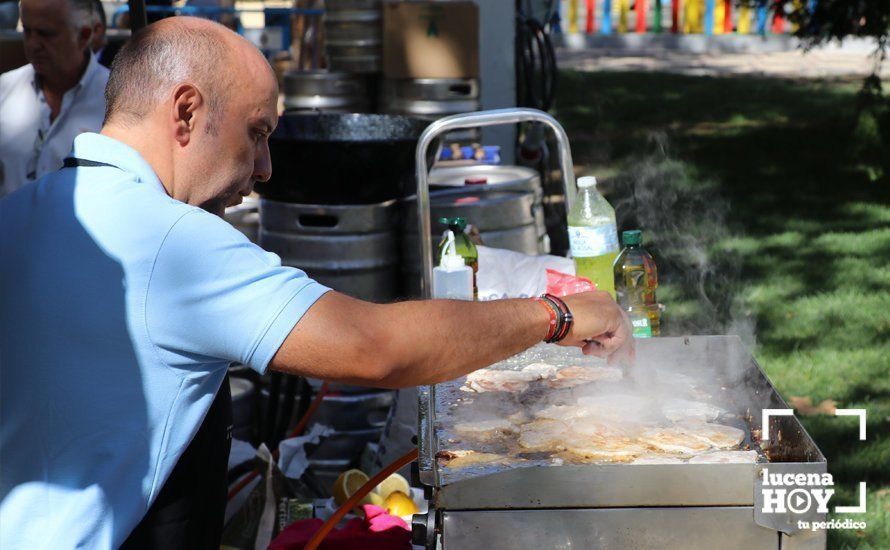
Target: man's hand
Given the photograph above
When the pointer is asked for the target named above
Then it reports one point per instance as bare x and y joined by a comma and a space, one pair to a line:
601, 327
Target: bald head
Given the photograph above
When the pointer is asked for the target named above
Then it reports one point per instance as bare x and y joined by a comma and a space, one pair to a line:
198, 103
173, 51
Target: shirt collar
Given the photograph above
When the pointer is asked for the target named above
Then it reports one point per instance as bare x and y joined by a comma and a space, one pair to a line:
100, 148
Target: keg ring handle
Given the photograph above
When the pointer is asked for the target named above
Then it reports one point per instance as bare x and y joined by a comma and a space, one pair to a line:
494, 117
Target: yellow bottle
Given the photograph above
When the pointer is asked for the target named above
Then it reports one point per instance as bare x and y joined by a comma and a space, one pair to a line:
593, 236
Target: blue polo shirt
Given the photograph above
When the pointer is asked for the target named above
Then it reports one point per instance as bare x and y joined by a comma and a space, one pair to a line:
120, 311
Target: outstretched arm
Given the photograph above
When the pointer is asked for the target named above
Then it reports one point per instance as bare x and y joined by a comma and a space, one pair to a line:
426, 342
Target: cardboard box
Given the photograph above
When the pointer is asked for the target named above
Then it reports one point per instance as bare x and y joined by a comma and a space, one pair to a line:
430, 40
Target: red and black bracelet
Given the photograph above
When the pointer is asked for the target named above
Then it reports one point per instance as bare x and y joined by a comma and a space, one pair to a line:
561, 318
554, 318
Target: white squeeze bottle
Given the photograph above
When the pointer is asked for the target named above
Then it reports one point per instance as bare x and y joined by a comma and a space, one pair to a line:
452, 278
593, 236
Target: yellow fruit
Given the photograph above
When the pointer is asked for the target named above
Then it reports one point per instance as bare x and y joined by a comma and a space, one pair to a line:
400, 504
348, 483
373, 498
390, 485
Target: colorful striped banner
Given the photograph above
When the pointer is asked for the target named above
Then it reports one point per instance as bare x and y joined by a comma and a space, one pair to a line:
642, 9
693, 22
607, 17
727, 16
623, 11
709, 17
657, 26
762, 16
744, 24
573, 16
675, 16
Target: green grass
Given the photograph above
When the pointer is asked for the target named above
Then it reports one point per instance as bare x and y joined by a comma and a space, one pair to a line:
765, 221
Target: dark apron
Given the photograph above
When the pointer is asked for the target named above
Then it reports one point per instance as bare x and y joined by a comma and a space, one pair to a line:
189, 510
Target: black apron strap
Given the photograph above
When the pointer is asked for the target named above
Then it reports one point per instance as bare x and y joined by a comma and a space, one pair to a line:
74, 162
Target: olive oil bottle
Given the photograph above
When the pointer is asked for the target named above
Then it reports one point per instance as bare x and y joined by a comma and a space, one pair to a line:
636, 279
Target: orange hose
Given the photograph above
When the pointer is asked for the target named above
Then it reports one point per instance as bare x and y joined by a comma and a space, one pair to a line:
352, 501
316, 403
301, 425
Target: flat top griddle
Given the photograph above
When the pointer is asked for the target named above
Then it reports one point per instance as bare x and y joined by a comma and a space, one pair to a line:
718, 366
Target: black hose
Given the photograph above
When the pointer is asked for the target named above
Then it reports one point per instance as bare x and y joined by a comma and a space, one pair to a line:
287, 409
536, 72
272, 406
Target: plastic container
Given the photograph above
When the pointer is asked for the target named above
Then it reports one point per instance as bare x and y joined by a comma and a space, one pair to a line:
593, 237
464, 247
636, 278
452, 278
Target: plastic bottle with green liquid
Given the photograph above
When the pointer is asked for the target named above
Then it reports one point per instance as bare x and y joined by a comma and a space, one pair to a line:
636, 279
593, 237
462, 245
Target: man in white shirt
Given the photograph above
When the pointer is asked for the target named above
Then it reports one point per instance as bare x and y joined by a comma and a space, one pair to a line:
59, 95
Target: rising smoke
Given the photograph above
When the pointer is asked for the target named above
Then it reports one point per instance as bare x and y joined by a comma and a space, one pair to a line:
684, 220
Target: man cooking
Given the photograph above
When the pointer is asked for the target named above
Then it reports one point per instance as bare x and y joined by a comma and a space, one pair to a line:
57, 96
125, 297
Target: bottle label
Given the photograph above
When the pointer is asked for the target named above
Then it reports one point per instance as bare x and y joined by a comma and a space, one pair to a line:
587, 242
641, 327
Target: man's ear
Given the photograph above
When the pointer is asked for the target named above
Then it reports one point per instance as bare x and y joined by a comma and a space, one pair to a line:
187, 99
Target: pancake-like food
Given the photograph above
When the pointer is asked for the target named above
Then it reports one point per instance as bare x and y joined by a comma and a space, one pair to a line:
513, 381
486, 380
539, 371
616, 407
601, 441
520, 417
674, 439
570, 377
562, 412
485, 427
464, 458
683, 409
715, 435
725, 457
543, 435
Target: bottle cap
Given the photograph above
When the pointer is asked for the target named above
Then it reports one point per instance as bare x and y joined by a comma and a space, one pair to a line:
451, 260
454, 224
585, 182
632, 237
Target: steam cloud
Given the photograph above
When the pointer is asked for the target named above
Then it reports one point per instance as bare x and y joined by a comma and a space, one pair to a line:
683, 219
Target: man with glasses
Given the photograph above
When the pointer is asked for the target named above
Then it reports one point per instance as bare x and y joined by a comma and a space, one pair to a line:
57, 96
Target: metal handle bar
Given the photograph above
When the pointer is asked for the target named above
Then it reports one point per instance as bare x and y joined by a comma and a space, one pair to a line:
474, 120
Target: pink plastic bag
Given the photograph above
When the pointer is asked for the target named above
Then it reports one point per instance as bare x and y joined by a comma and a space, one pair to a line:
563, 284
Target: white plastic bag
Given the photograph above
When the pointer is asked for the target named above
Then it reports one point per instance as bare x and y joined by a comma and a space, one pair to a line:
508, 274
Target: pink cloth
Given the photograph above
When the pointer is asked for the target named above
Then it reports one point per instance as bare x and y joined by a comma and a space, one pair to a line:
377, 531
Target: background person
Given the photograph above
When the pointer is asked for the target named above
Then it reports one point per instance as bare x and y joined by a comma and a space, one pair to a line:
99, 43
57, 96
